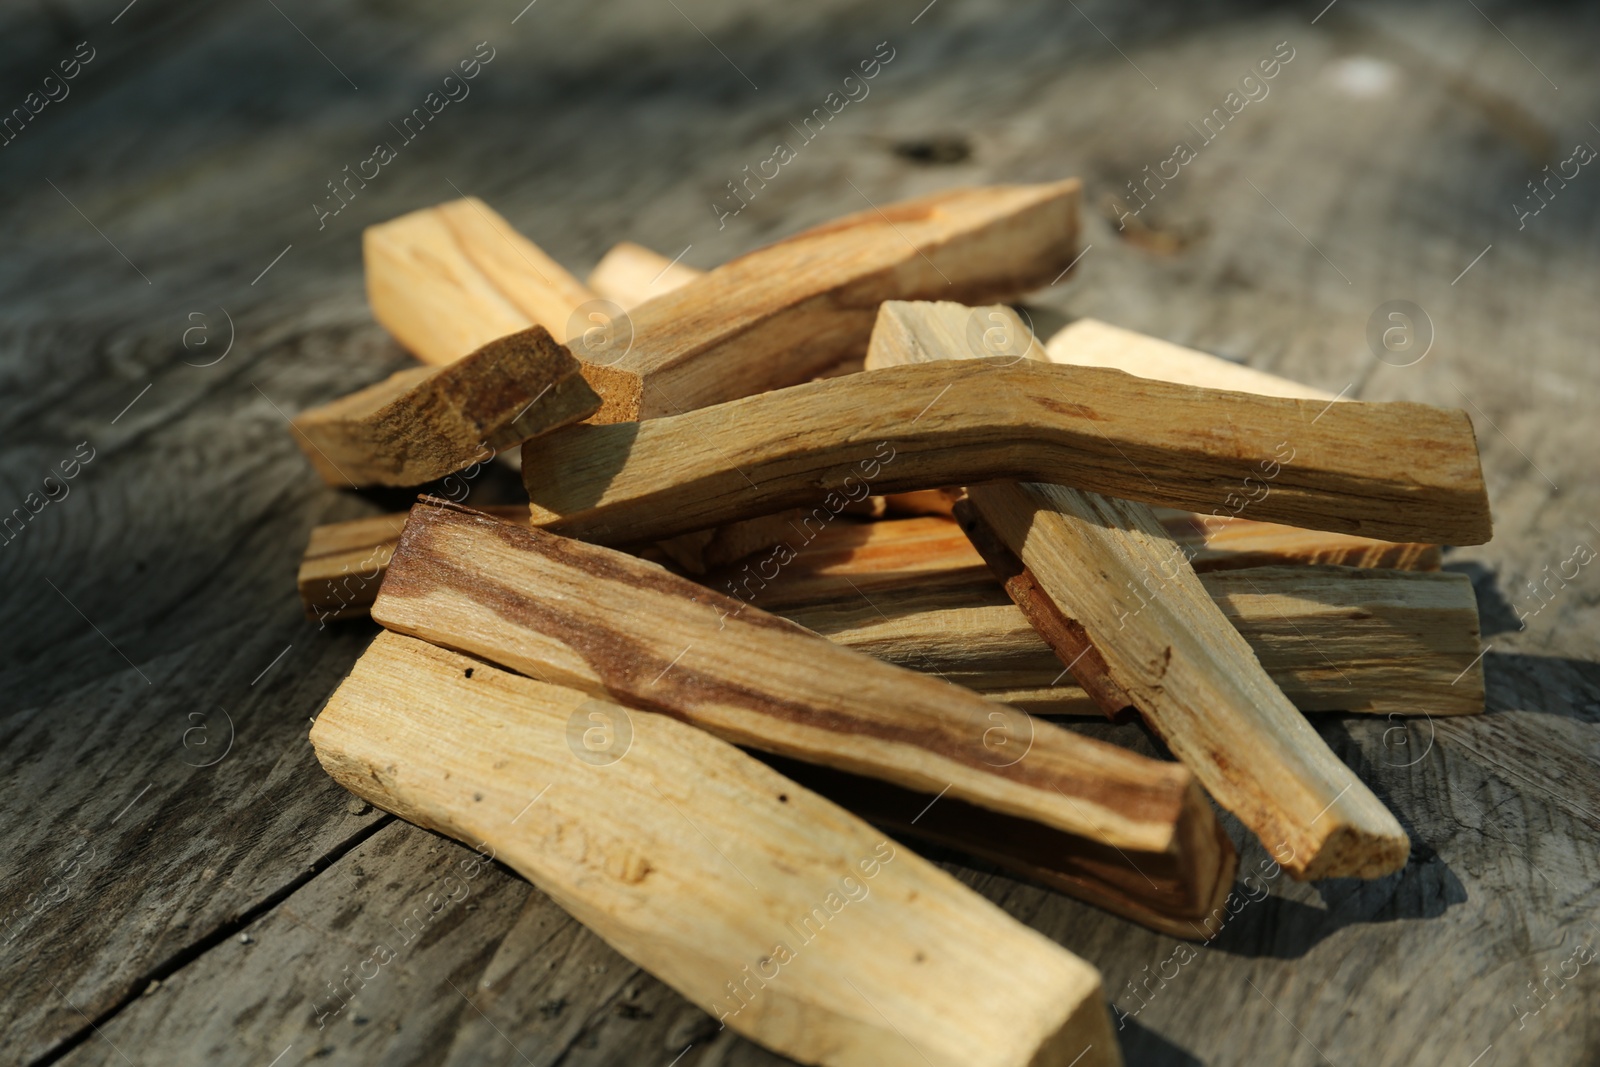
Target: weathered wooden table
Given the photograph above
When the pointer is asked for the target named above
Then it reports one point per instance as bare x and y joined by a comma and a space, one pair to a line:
182, 883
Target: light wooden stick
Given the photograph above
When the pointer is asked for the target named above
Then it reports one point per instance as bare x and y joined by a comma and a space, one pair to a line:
913, 592
786, 312
1333, 638
423, 423
449, 279
630, 274
1220, 543
344, 562
1173, 657
897, 552
1089, 343
839, 560
706, 550
793, 922
580, 615
1397, 471
1194, 679
1153, 891
916, 593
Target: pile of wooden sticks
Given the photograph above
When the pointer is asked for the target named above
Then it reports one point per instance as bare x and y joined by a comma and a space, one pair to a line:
816, 540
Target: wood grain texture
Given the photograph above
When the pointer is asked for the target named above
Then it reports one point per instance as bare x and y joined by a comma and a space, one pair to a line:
1223, 541
913, 592
1063, 634
1194, 680
425, 423
783, 314
1332, 638
629, 274
1396, 471
1091, 343
199, 482
344, 562
733, 891
551, 608
706, 550
1182, 668
449, 279
839, 559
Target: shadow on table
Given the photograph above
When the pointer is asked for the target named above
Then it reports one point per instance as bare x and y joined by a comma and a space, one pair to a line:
1275, 927
1551, 685
1142, 1046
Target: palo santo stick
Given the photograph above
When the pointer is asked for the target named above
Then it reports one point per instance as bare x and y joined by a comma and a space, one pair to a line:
1333, 638
421, 424
794, 922
630, 274
706, 550
916, 593
913, 592
1220, 543
344, 562
1062, 634
842, 560
1189, 674
1089, 343
786, 312
1397, 471
1410, 639
1152, 892
838, 560
1193, 678
589, 617
449, 279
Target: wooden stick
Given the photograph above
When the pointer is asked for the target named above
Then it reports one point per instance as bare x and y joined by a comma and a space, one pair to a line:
832, 561
584, 616
630, 274
706, 550
1061, 633
913, 592
1396, 471
784, 313
1221, 543
344, 562
1154, 891
838, 561
1194, 679
424, 423
793, 922
1091, 343
1333, 638
1174, 657
449, 279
